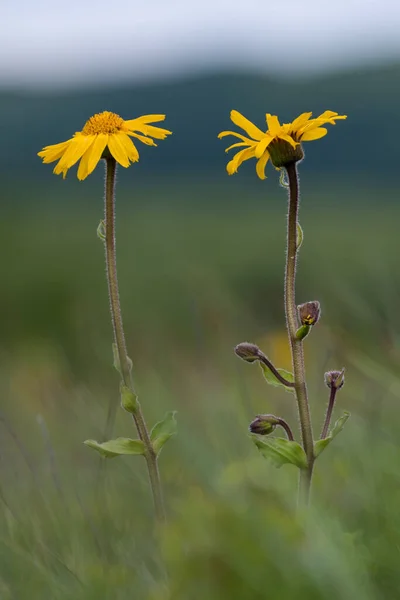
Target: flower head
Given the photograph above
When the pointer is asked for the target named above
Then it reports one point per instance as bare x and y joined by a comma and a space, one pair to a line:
280, 143
105, 132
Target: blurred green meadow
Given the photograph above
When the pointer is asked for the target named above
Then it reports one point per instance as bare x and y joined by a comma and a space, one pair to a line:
196, 277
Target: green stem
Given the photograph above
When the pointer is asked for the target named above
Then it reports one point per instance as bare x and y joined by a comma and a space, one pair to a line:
119, 337
295, 344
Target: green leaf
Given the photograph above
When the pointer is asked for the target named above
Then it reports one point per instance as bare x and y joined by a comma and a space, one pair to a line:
281, 451
300, 236
101, 231
272, 380
117, 447
163, 430
337, 428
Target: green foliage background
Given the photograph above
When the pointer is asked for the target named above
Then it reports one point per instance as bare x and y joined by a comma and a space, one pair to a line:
201, 269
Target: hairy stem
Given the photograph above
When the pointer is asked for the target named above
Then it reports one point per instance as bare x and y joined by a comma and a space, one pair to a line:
292, 326
329, 412
119, 337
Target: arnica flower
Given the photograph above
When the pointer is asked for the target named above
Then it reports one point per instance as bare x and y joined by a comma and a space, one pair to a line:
104, 134
280, 143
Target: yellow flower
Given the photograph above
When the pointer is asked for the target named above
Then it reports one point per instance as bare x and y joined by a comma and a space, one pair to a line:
281, 143
104, 132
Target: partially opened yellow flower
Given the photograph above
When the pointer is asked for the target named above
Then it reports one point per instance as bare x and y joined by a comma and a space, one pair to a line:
103, 133
280, 143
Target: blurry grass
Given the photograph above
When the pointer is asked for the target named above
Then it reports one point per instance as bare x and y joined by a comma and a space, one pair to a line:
194, 283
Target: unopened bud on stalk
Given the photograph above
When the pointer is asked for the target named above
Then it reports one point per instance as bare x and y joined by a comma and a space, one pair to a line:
334, 379
264, 424
248, 352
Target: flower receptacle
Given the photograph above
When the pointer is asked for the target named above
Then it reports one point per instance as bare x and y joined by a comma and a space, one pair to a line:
282, 153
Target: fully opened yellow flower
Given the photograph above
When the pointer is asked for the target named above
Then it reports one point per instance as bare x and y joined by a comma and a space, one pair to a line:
104, 132
281, 143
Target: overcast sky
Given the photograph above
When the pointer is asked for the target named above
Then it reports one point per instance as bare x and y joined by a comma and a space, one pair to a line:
75, 41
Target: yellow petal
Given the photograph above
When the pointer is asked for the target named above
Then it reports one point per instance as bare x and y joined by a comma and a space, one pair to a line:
156, 132
58, 171
76, 149
321, 120
300, 121
313, 124
273, 124
261, 164
51, 153
249, 127
145, 140
130, 148
145, 119
237, 160
83, 166
328, 114
288, 139
140, 124
248, 141
314, 134
96, 150
336, 118
238, 145
263, 145
117, 149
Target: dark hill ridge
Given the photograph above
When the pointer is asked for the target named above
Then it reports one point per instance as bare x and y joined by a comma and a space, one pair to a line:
198, 108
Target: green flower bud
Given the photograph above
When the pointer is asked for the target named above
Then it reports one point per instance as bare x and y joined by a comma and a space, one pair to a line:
264, 424
335, 379
248, 352
309, 313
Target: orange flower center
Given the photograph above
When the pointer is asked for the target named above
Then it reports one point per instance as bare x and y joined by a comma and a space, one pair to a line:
105, 122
